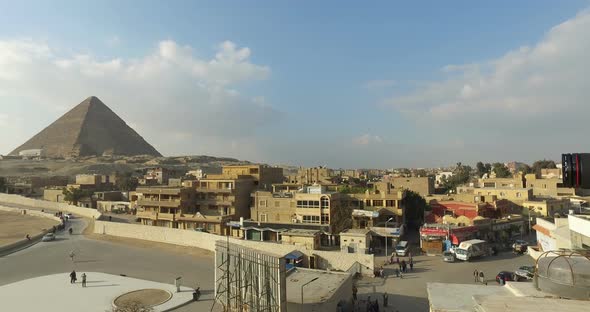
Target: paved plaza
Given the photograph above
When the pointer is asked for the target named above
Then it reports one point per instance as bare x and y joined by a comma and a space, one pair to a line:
55, 293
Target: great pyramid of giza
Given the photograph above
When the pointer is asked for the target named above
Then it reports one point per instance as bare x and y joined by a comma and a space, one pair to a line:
89, 129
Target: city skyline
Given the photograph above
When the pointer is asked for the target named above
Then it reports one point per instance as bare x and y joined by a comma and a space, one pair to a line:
308, 84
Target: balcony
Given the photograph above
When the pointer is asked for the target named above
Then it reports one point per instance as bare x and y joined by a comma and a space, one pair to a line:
215, 190
216, 202
147, 215
168, 216
162, 203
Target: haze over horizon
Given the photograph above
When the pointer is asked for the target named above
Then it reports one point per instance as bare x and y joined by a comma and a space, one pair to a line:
392, 85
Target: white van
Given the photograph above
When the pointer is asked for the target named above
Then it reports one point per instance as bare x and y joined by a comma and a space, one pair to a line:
402, 248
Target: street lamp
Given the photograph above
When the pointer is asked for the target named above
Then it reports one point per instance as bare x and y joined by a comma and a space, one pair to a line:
305, 285
390, 219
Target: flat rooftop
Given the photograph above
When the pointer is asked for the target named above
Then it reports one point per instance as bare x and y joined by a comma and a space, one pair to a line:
459, 297
318, 291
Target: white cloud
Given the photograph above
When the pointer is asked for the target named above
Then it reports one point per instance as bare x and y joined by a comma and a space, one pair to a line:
537, 81
379, 84
367, 139
169, 94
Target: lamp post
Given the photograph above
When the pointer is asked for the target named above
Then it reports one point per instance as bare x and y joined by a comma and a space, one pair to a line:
389, 220
306, 285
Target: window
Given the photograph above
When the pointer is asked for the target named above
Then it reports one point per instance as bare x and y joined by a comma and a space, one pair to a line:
368, 203
518, 194
389, 203
263, 217
277, 204
262, 203
325, 202
311, 219
378, 203
325, 218
308, 204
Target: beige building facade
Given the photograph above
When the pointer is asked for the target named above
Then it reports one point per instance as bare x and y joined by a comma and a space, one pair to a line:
421, 185
546, 207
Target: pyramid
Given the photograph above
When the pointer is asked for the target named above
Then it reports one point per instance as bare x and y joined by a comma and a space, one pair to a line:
89, 129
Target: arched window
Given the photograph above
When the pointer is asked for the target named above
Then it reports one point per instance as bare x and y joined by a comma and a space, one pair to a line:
325, 202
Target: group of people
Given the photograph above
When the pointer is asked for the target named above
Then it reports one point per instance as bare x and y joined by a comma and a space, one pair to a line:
74, 278
478, 276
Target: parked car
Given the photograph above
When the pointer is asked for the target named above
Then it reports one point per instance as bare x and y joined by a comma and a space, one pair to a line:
505, 276
402, 248
448, 256
520, 245
524, 272
68, 216
48, 237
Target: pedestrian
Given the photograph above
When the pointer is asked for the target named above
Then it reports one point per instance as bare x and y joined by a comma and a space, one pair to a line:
369, 304
401, 274
481, 277
397, 259
376, 305
475, 275
382, 272
385, 299
83, 279
28, 237
72, 254
354, 292
404, 266
391, 260
411, 266
73, 277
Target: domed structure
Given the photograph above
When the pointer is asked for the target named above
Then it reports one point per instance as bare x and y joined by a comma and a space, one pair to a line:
564, 274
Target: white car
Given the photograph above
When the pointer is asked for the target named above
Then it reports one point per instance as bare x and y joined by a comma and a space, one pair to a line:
68, 216
48, 237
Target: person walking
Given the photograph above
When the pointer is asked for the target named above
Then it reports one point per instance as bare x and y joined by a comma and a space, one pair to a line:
73, 277
369, 307
481, 277
72, 255
354, 292
411, 265
404, 266
83, 279
385, 300
475, 275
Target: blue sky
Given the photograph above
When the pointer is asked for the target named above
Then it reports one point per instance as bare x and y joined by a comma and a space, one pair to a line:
343, 84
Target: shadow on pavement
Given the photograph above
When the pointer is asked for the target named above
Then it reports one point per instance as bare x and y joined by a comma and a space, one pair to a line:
395, 302
109, 285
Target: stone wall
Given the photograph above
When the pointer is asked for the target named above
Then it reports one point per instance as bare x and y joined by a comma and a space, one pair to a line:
23, 243
324, 259
41, 204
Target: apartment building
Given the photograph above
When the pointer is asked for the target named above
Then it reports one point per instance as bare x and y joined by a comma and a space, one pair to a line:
549, 187
421, 185
515, 182
376, 205
164, 205
546, 207
515, 195
264, 176
309, 176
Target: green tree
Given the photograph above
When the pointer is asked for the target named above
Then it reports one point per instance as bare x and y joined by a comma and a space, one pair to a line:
542, 164
461, 175
341, 219
72, 195
415, 205
501, 170
126, 182
526, 169
481, 169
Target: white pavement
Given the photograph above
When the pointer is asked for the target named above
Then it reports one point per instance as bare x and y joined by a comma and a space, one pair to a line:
55, 293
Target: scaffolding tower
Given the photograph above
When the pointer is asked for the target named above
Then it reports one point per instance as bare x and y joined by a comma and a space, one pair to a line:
247, 280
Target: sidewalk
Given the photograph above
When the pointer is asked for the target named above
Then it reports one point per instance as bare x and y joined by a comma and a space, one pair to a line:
55, 293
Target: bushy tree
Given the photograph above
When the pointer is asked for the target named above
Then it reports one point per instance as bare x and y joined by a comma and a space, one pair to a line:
461, 175
72, 195
126, 182
483, 168
542, 164
501, 170
415, 206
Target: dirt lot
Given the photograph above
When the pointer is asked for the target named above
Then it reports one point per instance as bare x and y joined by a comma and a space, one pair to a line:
14, 226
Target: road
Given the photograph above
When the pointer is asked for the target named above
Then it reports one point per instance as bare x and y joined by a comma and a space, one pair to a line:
155, 262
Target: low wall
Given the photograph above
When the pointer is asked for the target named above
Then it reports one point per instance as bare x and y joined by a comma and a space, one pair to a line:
24, 243
332, 260
42, 204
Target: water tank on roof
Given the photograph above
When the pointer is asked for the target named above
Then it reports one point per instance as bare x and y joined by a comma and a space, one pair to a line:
564, 274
